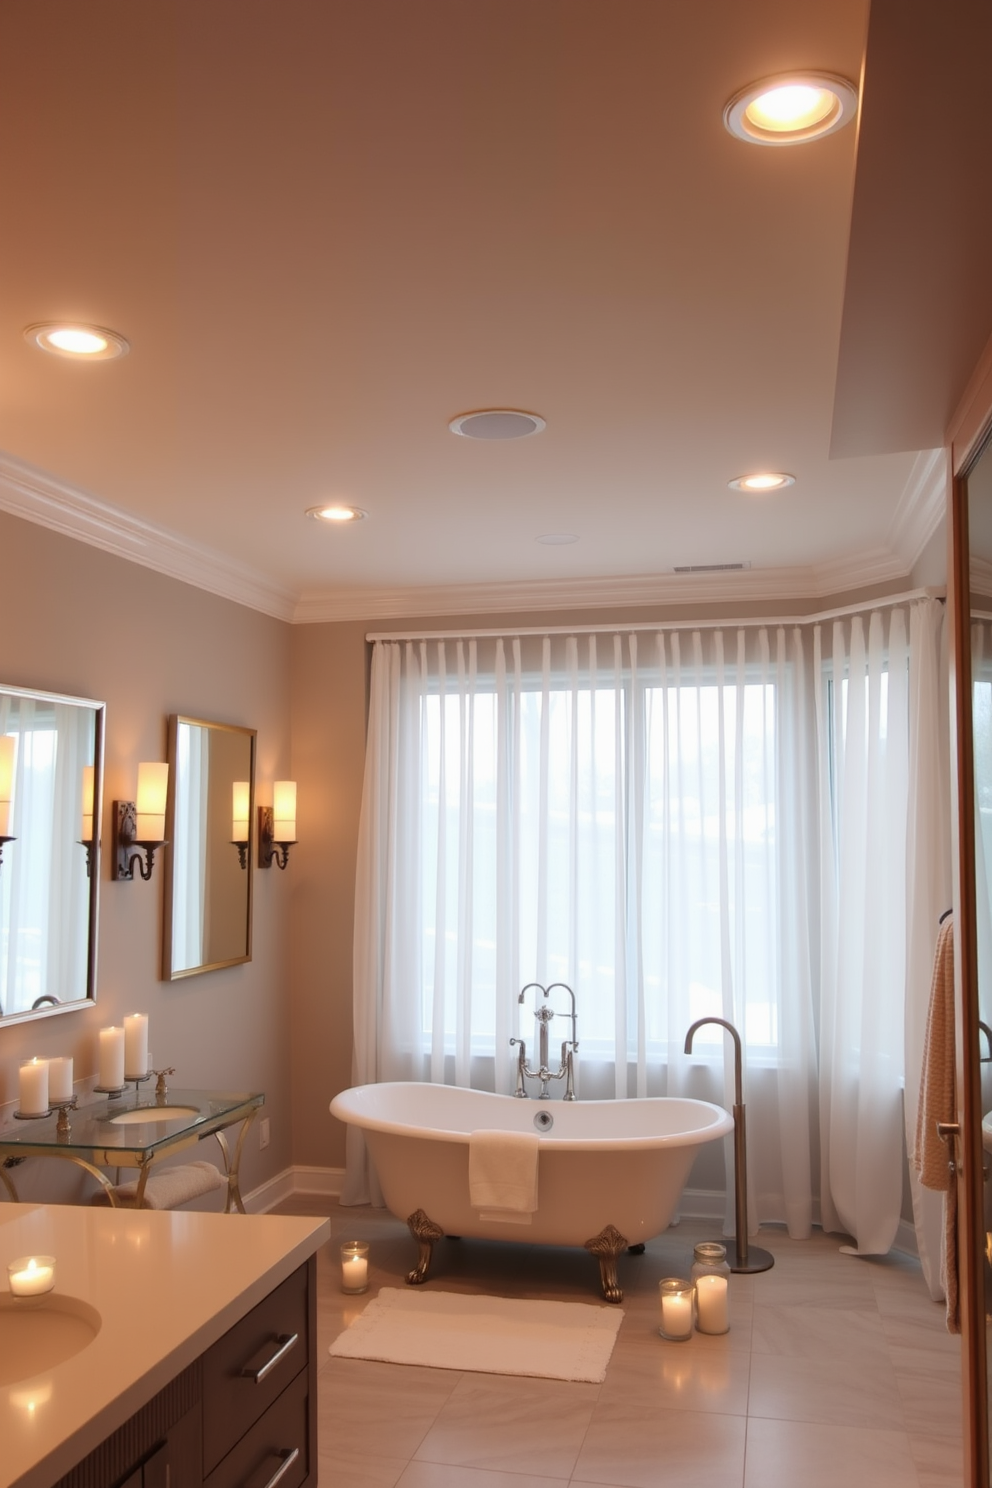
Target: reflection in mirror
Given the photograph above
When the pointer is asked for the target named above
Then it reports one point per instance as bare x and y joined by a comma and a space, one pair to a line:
51, 780
209, 873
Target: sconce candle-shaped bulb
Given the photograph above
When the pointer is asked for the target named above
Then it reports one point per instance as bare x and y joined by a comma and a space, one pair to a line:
239, 811
87, 830
153, 781
8, 745
284, 811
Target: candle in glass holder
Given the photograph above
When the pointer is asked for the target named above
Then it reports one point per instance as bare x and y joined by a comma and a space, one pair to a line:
111, 1058
675, 1296
712, 1304
30, 1276
60, 1080
355, 1266
33, 1087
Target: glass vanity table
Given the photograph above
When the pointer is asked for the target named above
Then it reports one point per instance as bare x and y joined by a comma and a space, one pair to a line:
135, 1131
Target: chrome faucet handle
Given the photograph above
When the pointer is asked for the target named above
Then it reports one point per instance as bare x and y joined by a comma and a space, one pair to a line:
521, 1062
161, 1088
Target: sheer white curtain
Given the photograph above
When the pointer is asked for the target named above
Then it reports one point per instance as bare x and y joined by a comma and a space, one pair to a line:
678, 824
190, 847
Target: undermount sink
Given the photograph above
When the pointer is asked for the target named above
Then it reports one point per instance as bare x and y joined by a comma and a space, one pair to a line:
142, 1115
40, 1332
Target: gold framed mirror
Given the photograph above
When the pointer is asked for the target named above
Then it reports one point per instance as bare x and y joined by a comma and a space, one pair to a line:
209, 867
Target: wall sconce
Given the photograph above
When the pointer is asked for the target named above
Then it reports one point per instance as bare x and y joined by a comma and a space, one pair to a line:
141, 825
8, 745
86, 837
240, 807
277, 825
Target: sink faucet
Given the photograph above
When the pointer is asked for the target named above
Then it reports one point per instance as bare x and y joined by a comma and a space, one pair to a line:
566, 1070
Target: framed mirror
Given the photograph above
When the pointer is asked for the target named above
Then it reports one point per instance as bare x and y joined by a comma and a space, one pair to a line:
209, 815
51, 790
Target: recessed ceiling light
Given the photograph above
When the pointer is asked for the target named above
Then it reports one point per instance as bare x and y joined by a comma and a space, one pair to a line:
85, 343
336, 512
497, 423
764, 480
557, 539
791, 109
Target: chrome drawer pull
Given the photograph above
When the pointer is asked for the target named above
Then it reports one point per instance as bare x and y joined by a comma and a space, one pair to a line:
285, 1342
281, 1472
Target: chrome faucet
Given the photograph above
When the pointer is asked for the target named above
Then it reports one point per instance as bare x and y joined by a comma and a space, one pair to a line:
566, 1070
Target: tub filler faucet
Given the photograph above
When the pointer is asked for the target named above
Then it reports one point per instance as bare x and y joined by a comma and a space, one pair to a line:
566, 1070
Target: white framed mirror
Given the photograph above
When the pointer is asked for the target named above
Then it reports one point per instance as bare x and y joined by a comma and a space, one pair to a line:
51, 790
209, 866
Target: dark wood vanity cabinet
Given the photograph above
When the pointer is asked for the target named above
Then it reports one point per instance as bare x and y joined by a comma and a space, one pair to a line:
243, 1416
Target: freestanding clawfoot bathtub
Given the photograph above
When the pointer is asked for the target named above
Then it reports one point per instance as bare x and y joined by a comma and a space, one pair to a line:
610, 1173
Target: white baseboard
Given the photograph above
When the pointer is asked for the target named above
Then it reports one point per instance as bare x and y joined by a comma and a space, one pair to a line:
697, 1203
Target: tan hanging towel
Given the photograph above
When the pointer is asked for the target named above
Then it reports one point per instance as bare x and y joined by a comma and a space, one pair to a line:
932, 1155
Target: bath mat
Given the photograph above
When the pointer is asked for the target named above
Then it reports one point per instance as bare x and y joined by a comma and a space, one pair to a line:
488, 1335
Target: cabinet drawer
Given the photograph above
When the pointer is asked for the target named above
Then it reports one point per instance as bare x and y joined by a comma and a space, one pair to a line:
240, 1381
263, 1454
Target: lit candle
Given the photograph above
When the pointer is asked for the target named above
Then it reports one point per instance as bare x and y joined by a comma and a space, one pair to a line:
111, 1058
34, 1087
59, 1080
7, 747
354, 1266
712, 1304
153, 781
284, 811
87, 832
135, 1046
239, 811
676, 1314
31, 1275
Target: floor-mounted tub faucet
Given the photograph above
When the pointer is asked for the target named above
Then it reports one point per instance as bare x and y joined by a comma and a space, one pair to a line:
566, 1071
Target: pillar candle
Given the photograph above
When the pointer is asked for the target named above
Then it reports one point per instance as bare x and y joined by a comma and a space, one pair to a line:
59, 1080
87, 829
712, 1304
240, 793
153, 781
676, 1314
7, 750
284, 811
34, 1087
135, 1046
111, 1058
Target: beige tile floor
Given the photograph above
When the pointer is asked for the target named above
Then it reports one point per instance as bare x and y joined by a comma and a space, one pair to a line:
835, 1370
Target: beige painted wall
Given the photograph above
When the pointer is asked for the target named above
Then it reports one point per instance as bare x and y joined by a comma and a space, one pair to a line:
74, 619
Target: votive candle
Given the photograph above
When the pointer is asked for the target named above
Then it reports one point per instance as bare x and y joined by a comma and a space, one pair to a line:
135, 1046
33, 1086
355, 1266
30, 1276
676, 1308
59, 1080
111, 1058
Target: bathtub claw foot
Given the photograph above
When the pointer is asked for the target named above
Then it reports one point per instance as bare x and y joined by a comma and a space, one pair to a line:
606, 1246
427, 1234
635, 1249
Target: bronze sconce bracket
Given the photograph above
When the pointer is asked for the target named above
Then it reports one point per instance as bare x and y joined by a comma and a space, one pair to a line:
128, 849
269, 850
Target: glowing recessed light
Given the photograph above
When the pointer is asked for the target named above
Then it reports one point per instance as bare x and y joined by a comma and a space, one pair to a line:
791, 109
336, 512
764, 480
85, 343
497, 423
557, 539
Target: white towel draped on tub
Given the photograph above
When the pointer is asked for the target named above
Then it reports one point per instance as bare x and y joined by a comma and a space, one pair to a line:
502, 1175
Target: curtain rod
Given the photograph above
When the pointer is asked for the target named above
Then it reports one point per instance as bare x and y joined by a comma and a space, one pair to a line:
609, 628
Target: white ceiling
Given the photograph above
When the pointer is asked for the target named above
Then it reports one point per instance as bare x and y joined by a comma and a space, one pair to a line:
326, 228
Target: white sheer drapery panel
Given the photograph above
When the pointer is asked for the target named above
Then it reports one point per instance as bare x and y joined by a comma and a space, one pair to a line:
929, 886
981, 670
44, 891
629, 814
864, 751
190, 848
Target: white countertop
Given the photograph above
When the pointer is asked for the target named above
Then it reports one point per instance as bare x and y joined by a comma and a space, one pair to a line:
166, 1286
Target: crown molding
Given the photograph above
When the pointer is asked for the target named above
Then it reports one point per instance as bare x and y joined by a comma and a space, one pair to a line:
922, 505
816, 581
37, 497
49, 502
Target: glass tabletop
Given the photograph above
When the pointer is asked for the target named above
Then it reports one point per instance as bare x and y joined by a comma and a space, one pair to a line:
133, 1126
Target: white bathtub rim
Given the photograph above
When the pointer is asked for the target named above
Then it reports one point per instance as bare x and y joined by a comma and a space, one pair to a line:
718, 1121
